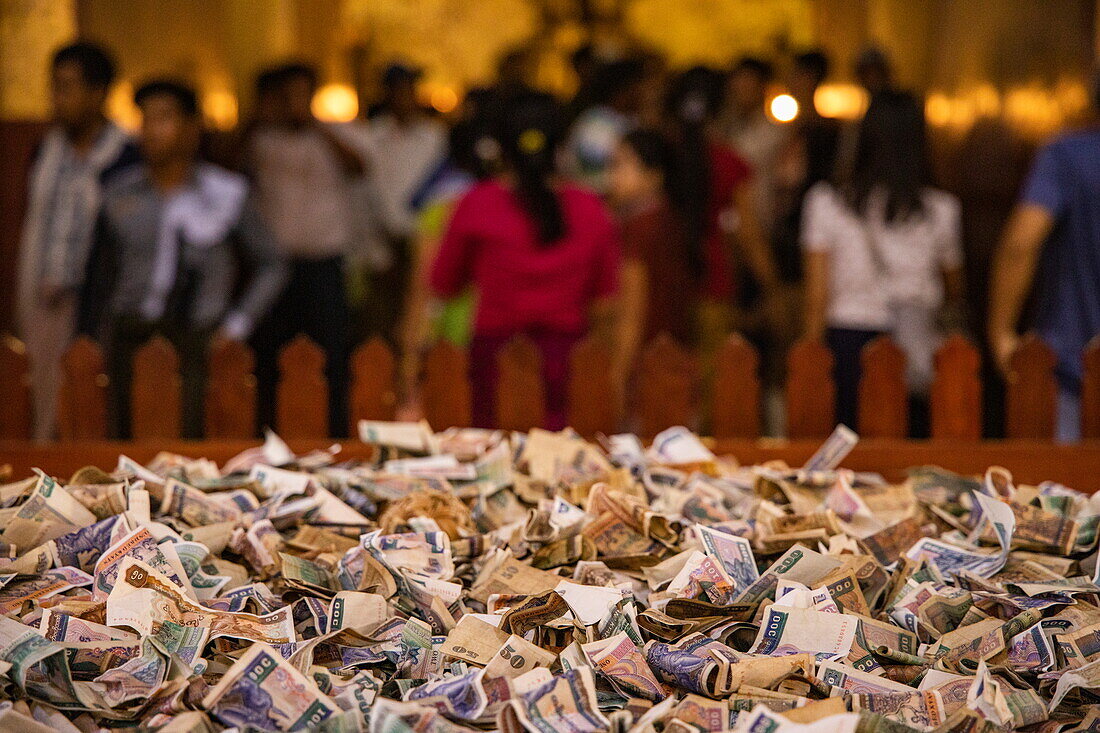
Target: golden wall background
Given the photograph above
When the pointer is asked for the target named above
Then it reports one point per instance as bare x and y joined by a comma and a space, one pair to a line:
1022, 60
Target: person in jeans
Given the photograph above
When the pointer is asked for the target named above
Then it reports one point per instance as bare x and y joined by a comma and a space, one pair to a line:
80, 150
1053, 240
166, 256
302, 170
882, 254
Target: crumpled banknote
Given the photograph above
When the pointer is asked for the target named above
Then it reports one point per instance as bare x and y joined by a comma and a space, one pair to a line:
473, 580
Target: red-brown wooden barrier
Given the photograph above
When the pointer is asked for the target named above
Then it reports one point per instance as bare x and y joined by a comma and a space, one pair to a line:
1030, 462
155, 409
590, 374
956, 398
445, 390
883, 396
811, 393
663, 391
736, 412
82, 402
230, 406
666, 386
372, 395
15, 393
521, 398
1032, 392
1090, 392
302, 395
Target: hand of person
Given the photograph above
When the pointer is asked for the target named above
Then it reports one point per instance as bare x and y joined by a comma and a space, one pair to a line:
1004, 345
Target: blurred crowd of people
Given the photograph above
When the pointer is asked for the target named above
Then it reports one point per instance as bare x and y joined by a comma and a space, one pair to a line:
654, 201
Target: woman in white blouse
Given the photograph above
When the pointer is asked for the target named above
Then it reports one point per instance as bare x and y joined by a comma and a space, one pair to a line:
882, 253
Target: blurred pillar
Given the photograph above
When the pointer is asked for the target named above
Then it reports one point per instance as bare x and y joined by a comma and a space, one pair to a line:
30, 30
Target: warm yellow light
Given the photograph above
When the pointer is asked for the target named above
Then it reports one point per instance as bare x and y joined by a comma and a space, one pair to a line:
784, 108
121, 108
220, 109
842, 101
335, 103
937, 109
444, 99
987, 100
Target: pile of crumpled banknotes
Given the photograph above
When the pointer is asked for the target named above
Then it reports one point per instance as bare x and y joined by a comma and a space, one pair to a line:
481, 580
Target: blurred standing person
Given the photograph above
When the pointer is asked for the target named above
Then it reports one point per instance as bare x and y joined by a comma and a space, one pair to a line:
80, 150
754, 136
471, 158
585, 61
711, 188
543, 256
874, 71
617, 100
406, 147
658, 290
1052, 241
882, 255
267, 111
814, 134
165, 255
516, 72
302, 169
808, 157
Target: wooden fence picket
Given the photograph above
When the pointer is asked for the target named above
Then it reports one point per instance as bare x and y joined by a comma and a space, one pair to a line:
445, 389
883, 396
15, 390
82, 399
666, 386
1090, 392
956, 396
663, 395
521, 397
811, 391
1030, 401
372, 395
302, 394
593, 395
735, 405
155, 400
230, 406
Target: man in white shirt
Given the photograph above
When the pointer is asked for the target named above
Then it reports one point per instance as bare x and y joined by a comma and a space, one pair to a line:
303, 170
407, 147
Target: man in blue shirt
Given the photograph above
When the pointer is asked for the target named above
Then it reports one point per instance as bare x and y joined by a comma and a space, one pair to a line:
1055, 228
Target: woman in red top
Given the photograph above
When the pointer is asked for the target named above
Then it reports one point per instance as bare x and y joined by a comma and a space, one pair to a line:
543, 256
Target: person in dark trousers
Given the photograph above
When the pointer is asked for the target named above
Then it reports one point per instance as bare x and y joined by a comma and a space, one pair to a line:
165, 260
1053, 241
301, 168
78, 153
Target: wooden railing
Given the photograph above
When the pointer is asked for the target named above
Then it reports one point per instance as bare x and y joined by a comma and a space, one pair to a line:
666, 390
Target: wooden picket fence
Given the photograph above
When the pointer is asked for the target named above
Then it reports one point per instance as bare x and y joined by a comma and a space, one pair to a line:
667, 390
